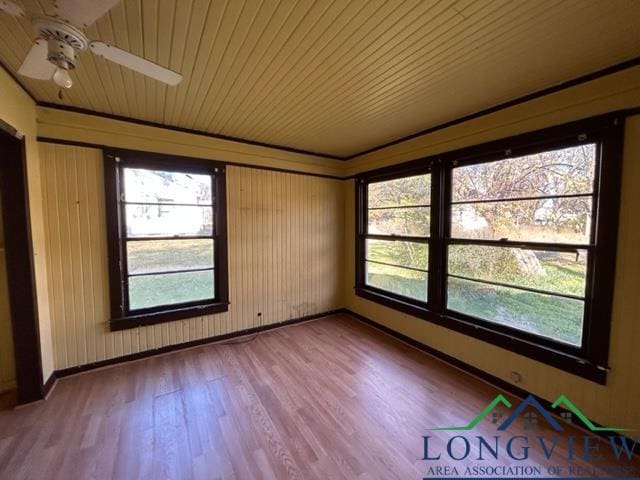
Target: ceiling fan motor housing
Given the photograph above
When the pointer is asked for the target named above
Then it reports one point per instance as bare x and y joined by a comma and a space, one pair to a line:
61, 54
63, 40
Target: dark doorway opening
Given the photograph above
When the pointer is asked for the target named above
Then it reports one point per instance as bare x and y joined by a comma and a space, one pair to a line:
20, 268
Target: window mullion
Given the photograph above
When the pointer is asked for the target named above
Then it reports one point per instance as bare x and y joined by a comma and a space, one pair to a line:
436, 241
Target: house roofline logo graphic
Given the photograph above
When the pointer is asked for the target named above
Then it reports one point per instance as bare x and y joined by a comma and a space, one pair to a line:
531, 401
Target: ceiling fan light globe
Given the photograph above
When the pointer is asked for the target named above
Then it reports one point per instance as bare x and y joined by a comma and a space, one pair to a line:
62, 78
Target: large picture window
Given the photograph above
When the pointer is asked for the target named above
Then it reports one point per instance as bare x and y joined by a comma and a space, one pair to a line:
512, 242
167, 237
521, 240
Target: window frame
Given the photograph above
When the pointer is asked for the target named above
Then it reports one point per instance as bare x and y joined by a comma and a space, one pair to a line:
364, 235
590, 360
122, 317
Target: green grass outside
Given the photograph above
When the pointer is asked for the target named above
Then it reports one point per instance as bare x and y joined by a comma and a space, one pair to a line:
546, 315
553, 317
398, 282
163, 255
167, 289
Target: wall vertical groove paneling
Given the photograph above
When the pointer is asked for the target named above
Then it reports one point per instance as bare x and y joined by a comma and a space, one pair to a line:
285, 244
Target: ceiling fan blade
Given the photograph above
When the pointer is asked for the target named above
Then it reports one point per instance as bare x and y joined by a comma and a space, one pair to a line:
11, 8
36, 65
136, 63
83, 13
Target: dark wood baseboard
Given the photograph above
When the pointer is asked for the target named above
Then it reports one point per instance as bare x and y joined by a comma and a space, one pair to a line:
65, 372
476, 372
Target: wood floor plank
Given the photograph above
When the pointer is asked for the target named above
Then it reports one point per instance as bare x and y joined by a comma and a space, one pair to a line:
328, 399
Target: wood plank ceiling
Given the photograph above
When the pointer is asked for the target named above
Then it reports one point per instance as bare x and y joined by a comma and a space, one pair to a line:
333, 76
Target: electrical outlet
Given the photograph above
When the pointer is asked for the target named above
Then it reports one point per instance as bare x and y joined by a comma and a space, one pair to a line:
515, 377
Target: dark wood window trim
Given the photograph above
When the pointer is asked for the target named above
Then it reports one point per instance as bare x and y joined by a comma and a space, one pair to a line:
400, 301
591, 359
121, 316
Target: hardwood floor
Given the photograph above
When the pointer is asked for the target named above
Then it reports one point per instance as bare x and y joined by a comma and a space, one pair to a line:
328, 399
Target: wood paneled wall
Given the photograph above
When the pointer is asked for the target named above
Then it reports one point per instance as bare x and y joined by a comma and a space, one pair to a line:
285, 256
97, 130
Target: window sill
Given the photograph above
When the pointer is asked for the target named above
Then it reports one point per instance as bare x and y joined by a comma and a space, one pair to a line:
133, 321
562, 360
405, 306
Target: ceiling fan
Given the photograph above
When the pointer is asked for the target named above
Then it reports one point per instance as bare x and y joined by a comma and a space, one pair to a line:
60, 39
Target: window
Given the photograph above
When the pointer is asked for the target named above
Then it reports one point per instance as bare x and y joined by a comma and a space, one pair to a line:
512, 242
521, 240
167, 237
397, 240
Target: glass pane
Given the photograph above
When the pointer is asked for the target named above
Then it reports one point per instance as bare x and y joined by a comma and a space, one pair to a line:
557, 172
559, 272
168, 220
157, 186
402, 281
406, 254
412, 222
170, 289
546, 315
149, 256
559, 220
415, 190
